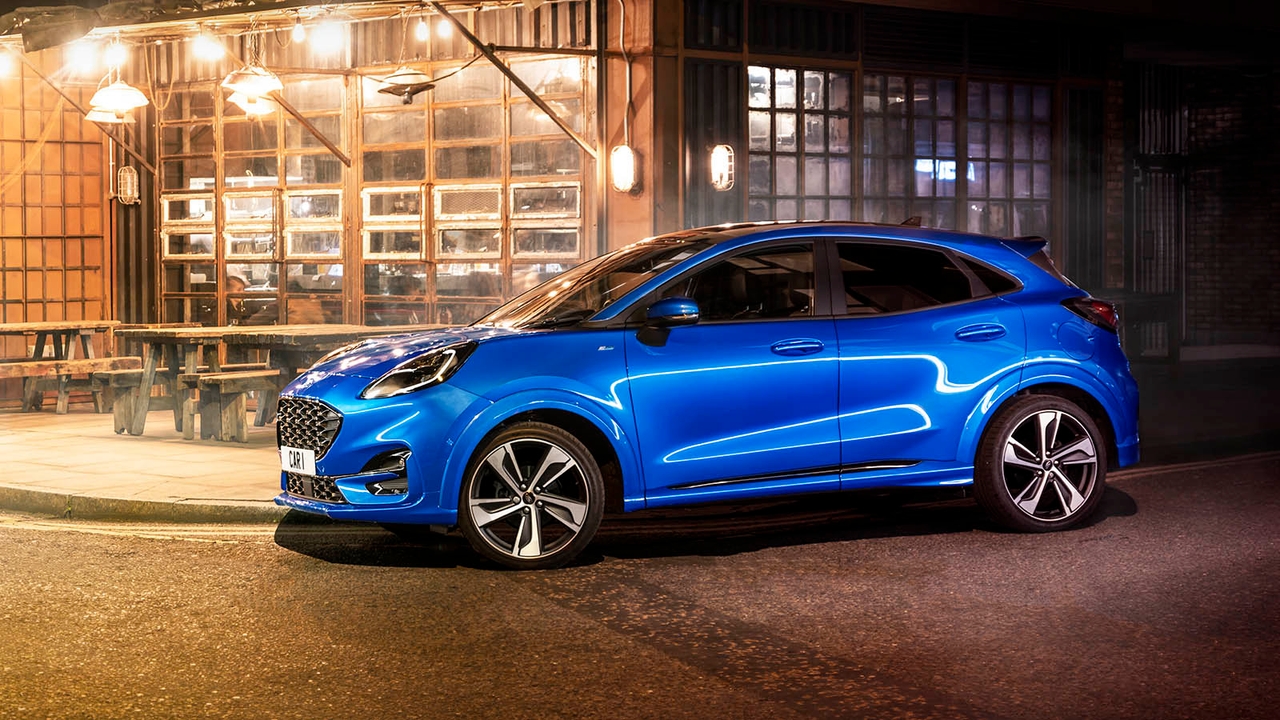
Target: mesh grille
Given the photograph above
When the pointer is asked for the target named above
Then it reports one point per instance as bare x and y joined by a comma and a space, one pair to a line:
469, 203
319, 488
307, 424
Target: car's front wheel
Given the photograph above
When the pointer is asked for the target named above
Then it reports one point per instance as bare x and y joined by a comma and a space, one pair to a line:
1041, 465
532, 497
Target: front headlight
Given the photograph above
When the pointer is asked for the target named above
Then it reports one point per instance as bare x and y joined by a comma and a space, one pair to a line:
423, 371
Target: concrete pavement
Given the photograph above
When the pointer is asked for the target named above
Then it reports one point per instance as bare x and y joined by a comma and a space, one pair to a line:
74, 465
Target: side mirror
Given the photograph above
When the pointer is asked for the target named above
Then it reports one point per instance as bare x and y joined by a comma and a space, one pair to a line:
672, 312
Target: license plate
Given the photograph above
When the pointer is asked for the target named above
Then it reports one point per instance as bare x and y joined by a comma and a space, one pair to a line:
298, 460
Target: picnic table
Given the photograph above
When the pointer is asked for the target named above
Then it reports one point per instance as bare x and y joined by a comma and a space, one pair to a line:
61, 336
172, 353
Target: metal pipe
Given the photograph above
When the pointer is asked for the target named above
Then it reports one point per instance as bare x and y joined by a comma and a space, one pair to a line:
515, 80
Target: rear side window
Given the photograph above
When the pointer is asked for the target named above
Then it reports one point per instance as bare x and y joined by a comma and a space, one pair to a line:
994, 281
895, 278
1042, 260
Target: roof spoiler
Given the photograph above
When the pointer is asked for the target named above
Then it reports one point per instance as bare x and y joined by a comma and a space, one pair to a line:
1026, 246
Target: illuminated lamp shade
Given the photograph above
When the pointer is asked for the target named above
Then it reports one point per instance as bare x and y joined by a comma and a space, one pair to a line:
252, 105
253, 81
406, 82
119, 97
623, 169
108, 118
722, 167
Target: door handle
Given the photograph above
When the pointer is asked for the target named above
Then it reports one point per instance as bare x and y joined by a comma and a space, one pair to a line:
799, 346
981, 332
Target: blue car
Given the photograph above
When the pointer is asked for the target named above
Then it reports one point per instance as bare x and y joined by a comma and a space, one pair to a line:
726, 363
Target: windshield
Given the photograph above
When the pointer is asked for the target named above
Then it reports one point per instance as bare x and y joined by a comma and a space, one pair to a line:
591, 287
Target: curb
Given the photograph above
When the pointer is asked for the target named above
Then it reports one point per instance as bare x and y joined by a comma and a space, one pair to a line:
89, 507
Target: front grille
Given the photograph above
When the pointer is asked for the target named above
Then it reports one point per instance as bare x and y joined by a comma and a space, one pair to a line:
307, 424
318, 487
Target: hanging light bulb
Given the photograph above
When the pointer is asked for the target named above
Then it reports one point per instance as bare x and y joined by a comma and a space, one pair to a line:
444, 29
115, 55
119, 97
299, 33
206, 47
422, 31
82, 57
252, 105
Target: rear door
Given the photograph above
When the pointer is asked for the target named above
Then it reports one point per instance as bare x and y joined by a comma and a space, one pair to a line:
922, 338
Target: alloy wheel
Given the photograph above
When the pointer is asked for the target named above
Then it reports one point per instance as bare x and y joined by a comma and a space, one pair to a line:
1050, 465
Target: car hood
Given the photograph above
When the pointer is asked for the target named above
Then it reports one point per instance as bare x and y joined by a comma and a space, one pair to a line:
375, 357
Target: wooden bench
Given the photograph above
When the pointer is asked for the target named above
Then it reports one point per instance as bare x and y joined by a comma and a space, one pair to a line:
222, 405
36, 374
119, 390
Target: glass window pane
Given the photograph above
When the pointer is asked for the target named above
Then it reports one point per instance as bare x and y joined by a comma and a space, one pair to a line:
759, 86
977, 100
815, 209
946, 138
558, 157
480, 81
297, 137
253, 277
400, 203
528, 119
257, 208
314, 311
1040, 103
1040, 143
463, 313
895, 95
468, 203
191, 104
462, 123
481, 161
250, 242
186, 140
1022, 180
759, 130
839, 210
894, 278
185, 277
760, 175
393, 242
469, 280
470, 241
1040, 180
313, 278
977, 139
874, 211
328, 242
250, 135
873, 176
873, 136
1021, 142
924, 169
192, 243
1021, 102
897, 172
841, 176
771, 283
998, 147
548, 77
545, 241
380, 313
922, 97
838, 99
786, 210
998, 106
814, 84
758, 209
408, 164
317, 206
977, 179
786, 175
815, 175
784, 88
895, 133
526, 277
250, 172
552, 201
838, 140
371, 98
923, 138
313, 170
872, 93
998, 180
785, 133
946, 98
315, 94
394, 127
815, 133
188, 209
203, 310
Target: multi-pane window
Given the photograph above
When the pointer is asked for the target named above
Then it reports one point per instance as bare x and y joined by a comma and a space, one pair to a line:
799, 126
909, 149
1009, 153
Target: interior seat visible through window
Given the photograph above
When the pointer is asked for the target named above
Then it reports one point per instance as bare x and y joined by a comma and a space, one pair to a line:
776, 282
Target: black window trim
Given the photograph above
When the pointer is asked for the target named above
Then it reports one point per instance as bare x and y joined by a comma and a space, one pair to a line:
835, 280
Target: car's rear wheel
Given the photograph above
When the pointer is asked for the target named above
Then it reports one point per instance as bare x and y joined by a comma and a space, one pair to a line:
532, 498
1041, 465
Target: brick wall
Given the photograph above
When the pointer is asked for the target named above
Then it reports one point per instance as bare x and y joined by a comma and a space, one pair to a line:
1233, 208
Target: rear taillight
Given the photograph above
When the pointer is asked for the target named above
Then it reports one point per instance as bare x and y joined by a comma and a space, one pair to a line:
1099, 312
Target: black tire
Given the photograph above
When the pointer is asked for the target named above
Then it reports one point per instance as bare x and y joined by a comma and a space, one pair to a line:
1023, 488
542, 492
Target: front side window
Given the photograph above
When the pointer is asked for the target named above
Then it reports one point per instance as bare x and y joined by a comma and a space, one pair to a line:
776, 282
881, 278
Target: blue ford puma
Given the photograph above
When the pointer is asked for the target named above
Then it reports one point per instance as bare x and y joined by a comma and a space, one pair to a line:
725, 363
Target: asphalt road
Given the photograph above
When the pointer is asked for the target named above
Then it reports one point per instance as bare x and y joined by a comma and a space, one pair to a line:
834, 607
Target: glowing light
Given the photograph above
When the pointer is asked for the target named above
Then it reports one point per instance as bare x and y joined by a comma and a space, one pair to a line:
444, 29
330, 36
252, 105
115, 55
622, 168
119, 97
722, 167
206, 47
422, 31
82, 56
299, 33
253, 81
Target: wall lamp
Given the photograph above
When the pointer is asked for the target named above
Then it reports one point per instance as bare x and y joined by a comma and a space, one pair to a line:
624, 168
722, 167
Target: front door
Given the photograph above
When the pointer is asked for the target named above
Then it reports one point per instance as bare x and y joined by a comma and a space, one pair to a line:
744, 401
